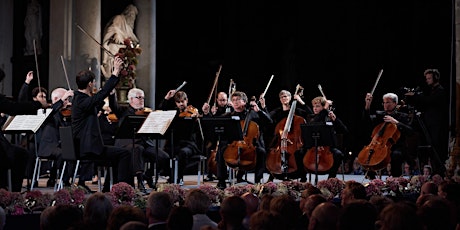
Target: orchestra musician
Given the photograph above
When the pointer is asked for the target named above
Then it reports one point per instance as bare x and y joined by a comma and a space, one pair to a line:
323, 114
185, 141
255, 114
14, 156
86, 128
281, 112
222, 104
144, 147
48, 134
372, 118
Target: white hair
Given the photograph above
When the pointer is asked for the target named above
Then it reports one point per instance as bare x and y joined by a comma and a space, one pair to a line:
392, 96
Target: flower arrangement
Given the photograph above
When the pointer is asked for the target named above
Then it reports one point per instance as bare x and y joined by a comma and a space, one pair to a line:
129, 56
331, 187
215, 194
374, 187
121, 194
396, 184
176, 191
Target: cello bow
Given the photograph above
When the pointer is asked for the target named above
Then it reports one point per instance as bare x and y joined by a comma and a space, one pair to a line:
376, 81
214, 86
65, 72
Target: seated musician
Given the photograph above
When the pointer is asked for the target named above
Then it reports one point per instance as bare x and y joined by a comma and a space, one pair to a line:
48, 135
14, 156
261, 118
185, 141
280, 114
144, 147
373, 118
322, 114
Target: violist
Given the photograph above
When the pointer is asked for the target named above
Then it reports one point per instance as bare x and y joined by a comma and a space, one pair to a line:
246, 112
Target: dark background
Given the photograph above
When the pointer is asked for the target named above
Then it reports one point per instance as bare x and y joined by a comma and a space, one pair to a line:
341, 45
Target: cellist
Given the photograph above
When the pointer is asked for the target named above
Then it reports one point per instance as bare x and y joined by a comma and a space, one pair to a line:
322, 112
373, 118
282, 112
251, 113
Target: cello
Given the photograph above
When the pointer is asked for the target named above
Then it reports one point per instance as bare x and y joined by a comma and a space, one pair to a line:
241, 154
281, 159
376, 155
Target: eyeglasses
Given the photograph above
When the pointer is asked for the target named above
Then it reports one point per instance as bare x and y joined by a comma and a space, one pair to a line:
140, 98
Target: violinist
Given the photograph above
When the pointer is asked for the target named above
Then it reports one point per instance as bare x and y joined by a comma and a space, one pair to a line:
14, 156
322, 114
282, 112
48, 134
246, 112
185, 141
373, 118
144, 148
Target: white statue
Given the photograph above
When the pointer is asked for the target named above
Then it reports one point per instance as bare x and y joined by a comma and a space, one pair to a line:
117, 30
33, 28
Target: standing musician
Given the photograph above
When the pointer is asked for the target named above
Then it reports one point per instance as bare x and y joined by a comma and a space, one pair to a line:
14, 156
373, 118
278, 114
185, 141
323, 114
255, 114
144, 147
216, 110
86, 128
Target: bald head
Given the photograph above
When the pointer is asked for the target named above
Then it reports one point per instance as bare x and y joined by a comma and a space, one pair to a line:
57, 94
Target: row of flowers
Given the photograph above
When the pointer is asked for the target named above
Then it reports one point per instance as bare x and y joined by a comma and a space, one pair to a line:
16, 203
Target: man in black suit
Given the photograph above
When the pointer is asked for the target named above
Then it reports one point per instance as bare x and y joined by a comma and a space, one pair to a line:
12, 155
85, 124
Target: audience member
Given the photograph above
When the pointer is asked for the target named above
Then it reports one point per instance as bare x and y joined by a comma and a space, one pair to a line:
64, 216
264, 220
357, 214
134, 225
44, 217
324, 217
380, 202
232, 212
180, 218
97, 211
159, 205
252, 205
429, 188
399, 216
123, 214
437, 213
198, 202
265, 202
353, 191
286, 209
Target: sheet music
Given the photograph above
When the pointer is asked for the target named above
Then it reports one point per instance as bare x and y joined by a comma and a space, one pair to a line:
158, 122
26, 122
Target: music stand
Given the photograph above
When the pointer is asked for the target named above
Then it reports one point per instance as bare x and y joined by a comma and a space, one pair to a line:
226, 129
317, 134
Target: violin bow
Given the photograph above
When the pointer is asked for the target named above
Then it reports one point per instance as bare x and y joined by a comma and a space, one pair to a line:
268, 85
36, 66
180, 87
106, 50
214, 86
65, 72
377, 81
324, 95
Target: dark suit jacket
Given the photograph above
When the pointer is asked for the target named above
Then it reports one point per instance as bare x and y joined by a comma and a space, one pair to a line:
49, 132
85, 122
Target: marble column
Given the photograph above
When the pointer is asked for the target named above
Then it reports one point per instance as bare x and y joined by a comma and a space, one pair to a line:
6, 50
145, 30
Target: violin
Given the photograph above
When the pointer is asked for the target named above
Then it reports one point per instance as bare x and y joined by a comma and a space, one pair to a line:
143, 112
190, 111
66, 112
112, 118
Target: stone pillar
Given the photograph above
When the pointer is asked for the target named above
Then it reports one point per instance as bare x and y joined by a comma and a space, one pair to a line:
6, 46
60, 45
145, 30
87, 53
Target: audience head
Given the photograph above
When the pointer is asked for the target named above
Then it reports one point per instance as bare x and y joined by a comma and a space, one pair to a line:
311, 203
44, 217
197, 201
324, 217
232, 211
286, 209
429, 188
353, 191
180, 218
64, 216
252, 203
380, 202
265, 202
97, 211
123, 214
264, 220
399, 216
437, 213
310, 190
357, 214
134, 225
159, 205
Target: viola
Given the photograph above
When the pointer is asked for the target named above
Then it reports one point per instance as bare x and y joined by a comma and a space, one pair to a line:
66, 112
143, 112
112, 118
376, 155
